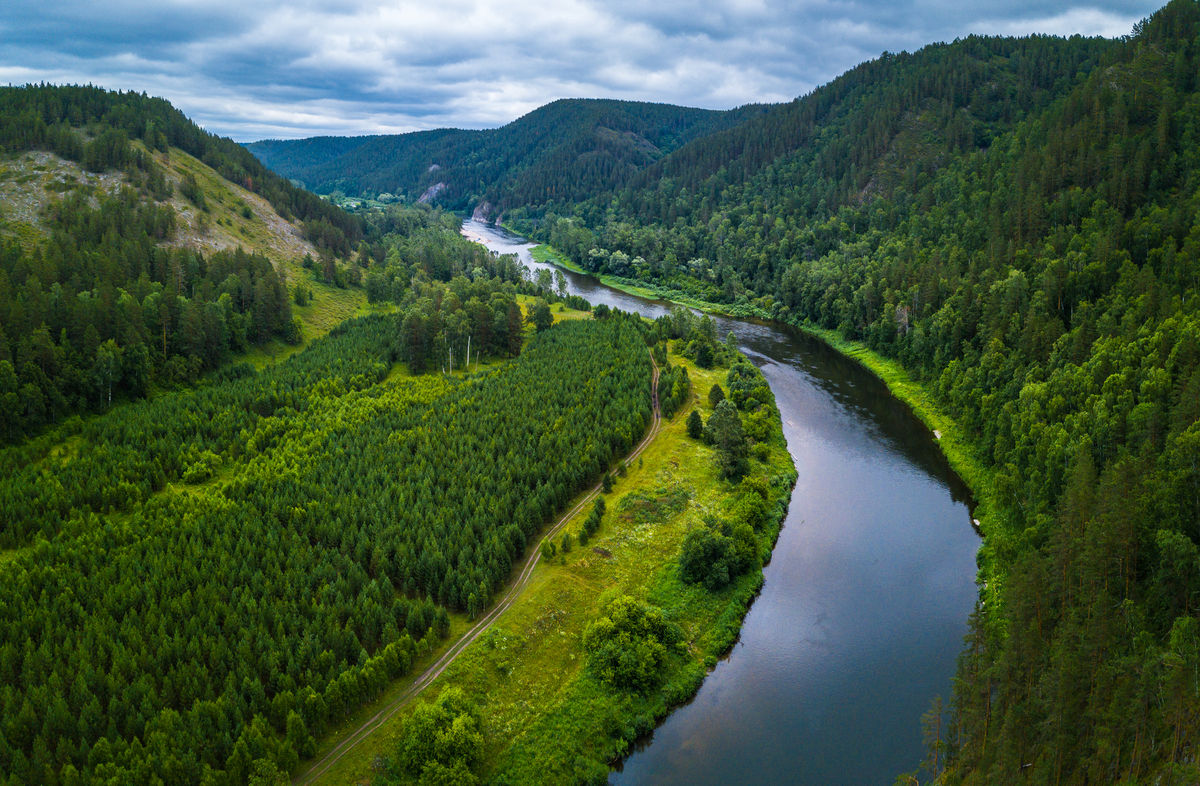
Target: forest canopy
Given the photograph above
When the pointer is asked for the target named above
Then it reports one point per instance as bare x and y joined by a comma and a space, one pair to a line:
202, 631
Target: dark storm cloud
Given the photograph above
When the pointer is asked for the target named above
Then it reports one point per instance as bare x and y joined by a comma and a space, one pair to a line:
302, 67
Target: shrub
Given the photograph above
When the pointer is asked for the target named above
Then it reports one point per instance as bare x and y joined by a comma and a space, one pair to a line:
628, 645
715, 554
441, 741
724, 431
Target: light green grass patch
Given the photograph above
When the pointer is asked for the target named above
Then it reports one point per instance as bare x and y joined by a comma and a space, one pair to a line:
550, 256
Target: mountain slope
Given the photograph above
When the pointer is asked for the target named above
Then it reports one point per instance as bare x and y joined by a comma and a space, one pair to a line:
294, 155
128, 262
565, 150
886, 126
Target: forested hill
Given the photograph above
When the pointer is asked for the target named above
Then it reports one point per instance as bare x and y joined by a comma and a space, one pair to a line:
566, 150
294, 155
136, 250
1017, 222
883, 129
96, 127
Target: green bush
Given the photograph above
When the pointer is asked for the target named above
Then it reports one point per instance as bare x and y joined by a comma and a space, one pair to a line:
202, 469
441, 741
628, 645
715, 554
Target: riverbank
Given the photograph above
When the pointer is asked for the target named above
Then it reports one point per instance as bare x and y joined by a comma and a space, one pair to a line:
951, 440
544, 718
549, 255
877, 544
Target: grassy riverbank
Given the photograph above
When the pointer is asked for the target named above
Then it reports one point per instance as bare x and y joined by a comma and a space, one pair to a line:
549, 255
544, 717
952, 441
954, 444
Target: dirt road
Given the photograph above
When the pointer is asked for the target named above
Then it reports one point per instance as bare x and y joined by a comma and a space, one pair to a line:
514, 591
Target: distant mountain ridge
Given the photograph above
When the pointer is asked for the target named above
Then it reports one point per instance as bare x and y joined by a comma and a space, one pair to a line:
566, 150
293, 155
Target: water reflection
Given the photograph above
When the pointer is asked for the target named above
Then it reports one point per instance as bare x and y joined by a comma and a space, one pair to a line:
866, 598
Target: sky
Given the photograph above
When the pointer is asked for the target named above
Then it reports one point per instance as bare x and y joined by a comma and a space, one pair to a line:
254, 69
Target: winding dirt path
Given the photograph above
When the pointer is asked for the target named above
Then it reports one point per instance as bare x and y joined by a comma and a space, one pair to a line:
515, 589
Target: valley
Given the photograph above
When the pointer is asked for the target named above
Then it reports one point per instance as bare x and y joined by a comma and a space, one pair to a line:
845, 439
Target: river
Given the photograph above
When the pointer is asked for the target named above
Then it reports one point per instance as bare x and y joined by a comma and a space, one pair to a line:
865, 601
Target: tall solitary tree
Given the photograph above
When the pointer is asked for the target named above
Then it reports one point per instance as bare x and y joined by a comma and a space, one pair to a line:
726, 433
108, 367
540, 316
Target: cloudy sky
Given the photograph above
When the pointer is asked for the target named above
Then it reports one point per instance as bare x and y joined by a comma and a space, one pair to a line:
251, 69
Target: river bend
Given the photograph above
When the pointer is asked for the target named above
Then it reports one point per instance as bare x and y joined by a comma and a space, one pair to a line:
865, 601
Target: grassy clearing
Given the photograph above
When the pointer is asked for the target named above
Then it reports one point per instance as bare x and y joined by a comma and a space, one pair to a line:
544, 717
328, 308
559, 311
562, 314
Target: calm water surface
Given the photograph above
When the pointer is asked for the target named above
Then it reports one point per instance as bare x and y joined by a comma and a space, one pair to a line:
866, 598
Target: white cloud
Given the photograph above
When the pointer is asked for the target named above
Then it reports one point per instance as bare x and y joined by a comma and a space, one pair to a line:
1084, 21
304, 67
